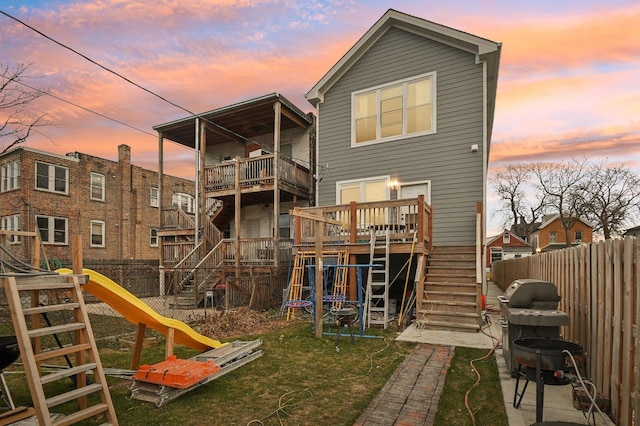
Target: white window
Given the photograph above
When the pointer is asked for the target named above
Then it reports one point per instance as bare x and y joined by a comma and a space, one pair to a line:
11, 176
578, 236
400, 109
284, 225
12, 223
153, 237
553, 237
53, 230
52, 178
496, 254
506, 238
362, 190
184, 201
154, 197
97, 233
97, 186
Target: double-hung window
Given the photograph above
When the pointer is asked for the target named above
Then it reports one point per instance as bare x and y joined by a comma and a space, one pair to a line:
97, 233
185, 201
12, 223
52, 178
154, 197
153, 237
11, 176
53, 230
97, 186
401, 109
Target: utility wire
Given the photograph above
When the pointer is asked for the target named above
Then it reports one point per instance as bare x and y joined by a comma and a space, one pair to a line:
132, 83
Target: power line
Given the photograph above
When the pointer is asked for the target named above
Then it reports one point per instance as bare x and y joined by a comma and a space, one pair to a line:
86, 109
132, 83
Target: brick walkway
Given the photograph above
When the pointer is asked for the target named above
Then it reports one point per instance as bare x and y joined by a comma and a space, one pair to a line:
411, 396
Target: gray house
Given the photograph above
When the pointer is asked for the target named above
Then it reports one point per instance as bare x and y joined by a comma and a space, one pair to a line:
404, 124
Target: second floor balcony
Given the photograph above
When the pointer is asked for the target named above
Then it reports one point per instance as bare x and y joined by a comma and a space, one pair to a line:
257, 174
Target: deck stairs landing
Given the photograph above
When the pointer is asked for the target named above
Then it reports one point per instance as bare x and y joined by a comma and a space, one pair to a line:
450, 293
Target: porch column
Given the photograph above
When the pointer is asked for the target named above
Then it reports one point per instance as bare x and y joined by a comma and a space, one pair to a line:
277, 106
202, 206
238, 210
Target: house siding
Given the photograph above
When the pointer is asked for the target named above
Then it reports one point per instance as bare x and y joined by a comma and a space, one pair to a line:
444, 158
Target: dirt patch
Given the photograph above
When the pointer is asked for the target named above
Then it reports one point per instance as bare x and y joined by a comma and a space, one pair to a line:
238, 322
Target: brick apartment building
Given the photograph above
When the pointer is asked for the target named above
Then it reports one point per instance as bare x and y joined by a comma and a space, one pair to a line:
114, 205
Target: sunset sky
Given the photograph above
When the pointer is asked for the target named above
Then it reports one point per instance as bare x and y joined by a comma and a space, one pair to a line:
569, 83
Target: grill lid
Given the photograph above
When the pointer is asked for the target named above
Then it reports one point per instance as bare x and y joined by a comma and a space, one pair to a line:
532, 294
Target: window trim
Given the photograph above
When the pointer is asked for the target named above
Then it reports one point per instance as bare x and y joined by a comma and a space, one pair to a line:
432, 76
191, 206
362, 181
51, 230
103, 186
51, 182
16, 176
15, 220
156, 197
103, 234
152, 237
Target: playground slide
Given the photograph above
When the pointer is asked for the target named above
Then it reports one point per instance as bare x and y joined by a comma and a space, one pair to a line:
137, 312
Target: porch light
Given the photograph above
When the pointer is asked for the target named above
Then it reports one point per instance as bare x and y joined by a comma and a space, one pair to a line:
393, 184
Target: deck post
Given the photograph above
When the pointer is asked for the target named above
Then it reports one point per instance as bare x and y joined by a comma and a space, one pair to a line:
353, 259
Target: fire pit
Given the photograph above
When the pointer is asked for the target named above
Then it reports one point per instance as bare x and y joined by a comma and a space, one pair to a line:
9, 353
546, 362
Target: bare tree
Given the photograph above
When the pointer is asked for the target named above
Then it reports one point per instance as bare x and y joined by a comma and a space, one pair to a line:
561, 186
18, 120
520, 207
611, 197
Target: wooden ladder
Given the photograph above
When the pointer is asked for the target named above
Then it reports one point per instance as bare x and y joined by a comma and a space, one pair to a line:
295, 300
27, 289
377, 293
340, 280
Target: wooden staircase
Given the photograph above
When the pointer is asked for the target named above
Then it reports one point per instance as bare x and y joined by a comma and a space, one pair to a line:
450, 299
89, 399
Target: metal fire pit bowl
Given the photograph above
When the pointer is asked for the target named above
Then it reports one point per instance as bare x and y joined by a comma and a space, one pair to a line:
9, 351
551, 353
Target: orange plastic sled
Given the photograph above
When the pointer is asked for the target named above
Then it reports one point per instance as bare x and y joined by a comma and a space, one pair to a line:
176, 373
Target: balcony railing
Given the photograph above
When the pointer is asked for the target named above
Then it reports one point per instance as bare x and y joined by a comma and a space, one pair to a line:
256, 171
253, 251
402, 219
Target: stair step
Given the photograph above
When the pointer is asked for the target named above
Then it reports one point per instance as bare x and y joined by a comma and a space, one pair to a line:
50, 308
447, 325
67, 372
67, 350
449, 303
56, 329
73, 394
78, 416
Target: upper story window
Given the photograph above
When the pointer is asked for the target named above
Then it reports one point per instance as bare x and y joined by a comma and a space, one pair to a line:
11, 176
97, 186
553, 237
53, 230
401, 109
52, 178
12, 223
154, 197
578, 236
153, 237
506, 238
97, 233
184, 201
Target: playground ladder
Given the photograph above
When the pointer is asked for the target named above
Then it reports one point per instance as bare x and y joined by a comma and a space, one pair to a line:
27, 290
340, 280
377, 293
297, 282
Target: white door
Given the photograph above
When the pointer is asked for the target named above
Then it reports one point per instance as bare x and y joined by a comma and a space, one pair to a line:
411, 190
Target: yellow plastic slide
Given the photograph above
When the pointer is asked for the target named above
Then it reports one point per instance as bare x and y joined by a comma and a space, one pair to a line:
138, 312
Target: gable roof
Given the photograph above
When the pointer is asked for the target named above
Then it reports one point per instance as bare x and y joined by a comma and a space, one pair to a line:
555, 217
485, 50
511, 233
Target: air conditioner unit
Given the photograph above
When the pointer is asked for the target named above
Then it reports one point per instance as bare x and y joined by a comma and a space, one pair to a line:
257, 153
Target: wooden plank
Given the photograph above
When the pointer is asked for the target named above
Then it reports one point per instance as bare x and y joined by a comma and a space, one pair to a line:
608, 315
67, 372
56, 329
73, 394
626, 373
616, 341
78, 416
49, 308
47, 286
168, 349
135, 359
67, 350
599, 338
636, 386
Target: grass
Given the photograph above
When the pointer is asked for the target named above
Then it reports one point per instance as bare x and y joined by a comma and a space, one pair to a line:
299, 380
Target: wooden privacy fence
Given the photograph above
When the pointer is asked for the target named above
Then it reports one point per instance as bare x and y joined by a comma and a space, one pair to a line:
599, 285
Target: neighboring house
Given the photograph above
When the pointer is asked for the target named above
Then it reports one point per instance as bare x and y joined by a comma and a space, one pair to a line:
550, 235
408, 111
113, 205
633, 232
506, 245
253, 161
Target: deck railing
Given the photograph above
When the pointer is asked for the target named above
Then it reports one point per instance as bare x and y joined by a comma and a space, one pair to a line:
401, 218
257, 251
175, 217
256, 171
